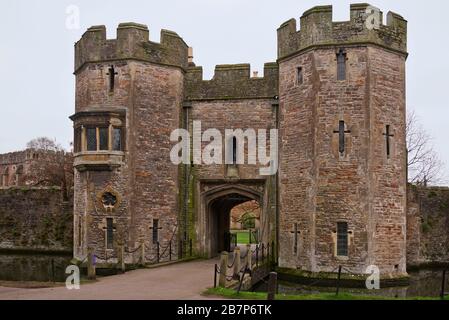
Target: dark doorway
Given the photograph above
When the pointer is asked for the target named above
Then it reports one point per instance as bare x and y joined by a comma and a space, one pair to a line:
220, 221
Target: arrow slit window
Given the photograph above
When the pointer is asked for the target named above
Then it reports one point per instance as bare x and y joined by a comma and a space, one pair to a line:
342, 239
109, 233
341, 65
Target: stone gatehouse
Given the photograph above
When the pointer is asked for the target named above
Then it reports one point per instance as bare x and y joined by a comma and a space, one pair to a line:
337, 96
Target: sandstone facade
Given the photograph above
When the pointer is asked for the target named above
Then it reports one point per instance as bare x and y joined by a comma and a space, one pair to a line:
427, 226
35, 219
14, 166
342, 144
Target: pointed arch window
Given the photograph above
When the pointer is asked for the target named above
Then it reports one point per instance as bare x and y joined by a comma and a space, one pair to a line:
341, 65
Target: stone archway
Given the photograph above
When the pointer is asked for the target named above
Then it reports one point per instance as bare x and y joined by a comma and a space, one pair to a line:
217, 204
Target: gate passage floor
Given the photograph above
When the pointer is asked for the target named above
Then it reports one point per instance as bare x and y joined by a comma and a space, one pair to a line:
182, 281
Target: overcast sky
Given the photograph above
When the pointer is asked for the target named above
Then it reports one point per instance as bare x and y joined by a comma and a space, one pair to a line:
36, 55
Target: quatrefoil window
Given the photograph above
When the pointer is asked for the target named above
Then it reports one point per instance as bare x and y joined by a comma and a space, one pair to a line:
109, 200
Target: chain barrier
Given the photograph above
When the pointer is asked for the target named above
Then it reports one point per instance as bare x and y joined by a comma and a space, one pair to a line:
133, 251
167, 251
106, 258
83, 260
242, 257
349, 271
228, 277
233, 262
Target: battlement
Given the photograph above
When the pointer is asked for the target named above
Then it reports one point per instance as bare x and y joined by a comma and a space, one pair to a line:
133, 42
318, 29
232, 81
17, 157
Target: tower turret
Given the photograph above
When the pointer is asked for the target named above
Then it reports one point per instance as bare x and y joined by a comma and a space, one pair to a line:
129, 94
343, 151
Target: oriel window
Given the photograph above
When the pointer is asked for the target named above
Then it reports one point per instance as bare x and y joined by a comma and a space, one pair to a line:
91, 137
77, 140
117, 139
104, 141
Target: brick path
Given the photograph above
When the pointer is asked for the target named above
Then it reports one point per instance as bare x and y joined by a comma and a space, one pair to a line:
183, 281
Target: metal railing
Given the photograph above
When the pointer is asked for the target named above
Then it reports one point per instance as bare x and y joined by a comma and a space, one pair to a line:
443, 292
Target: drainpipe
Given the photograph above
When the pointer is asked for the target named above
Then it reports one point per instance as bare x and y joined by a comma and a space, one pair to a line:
275, 105
186, 107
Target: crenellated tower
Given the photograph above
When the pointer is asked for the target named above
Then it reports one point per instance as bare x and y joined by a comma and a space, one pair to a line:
129, 94
343, 149
337, 96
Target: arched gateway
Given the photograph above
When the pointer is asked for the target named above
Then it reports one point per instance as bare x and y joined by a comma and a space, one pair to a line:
336, 95
216, 206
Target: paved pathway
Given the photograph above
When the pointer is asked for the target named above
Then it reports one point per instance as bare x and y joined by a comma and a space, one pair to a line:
182, 281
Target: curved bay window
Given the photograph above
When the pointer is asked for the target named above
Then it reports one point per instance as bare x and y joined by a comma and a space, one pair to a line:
117, 139
99, 139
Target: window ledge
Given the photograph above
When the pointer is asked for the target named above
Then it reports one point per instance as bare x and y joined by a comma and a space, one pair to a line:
342, 258
98, 160
106, 152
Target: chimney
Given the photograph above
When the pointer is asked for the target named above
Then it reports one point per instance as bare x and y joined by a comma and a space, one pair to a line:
190, 57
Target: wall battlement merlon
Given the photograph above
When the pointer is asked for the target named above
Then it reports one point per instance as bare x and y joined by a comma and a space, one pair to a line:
133, 43
232, 81
233, 72
16, 157
317, 28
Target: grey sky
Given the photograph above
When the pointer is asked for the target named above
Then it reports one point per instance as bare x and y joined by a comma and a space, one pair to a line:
36, 55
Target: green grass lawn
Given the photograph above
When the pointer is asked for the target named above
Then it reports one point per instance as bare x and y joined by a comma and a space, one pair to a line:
232, 294
242, 237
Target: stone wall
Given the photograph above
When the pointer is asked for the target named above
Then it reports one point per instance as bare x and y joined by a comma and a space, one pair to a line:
427, 226
35, 219
13, 166
318, 29
214, 112
363, 186
232, 81
158, 88
146, 102
16, 167
132, 43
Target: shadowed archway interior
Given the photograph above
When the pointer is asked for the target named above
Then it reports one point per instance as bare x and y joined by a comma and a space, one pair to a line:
220, 218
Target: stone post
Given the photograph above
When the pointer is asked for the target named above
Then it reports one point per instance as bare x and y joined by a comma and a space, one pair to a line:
272, 286
142, 253
249, 257
237, 262
223, 269
121, 258
91, 272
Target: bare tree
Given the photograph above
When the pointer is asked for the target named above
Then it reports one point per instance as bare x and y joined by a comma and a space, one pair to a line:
53, 166
424, 165
44, 144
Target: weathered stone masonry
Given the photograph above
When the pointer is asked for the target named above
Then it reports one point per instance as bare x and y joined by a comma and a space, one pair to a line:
145, 103
35, 219
148, 89
427, 226
362, 186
